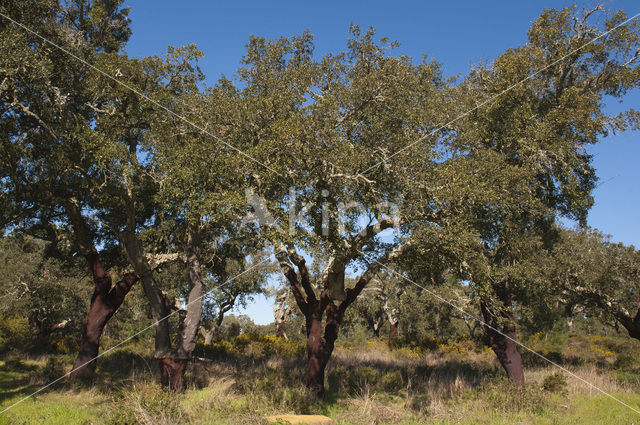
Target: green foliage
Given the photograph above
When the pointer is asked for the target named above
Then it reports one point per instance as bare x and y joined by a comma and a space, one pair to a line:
14, 332
254, 347
47, 291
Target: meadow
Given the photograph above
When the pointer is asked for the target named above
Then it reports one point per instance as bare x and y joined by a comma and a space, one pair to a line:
246, 378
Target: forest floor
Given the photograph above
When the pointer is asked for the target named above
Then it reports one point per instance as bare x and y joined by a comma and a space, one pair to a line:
252, 377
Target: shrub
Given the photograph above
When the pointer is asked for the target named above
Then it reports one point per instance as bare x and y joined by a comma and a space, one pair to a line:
252, 346
556, 382
15, 333
392, 381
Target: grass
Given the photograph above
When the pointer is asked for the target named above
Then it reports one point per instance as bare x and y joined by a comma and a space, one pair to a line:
368, 384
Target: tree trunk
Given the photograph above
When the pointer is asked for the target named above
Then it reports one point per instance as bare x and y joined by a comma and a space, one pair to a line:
313, 307
105, 299
375, 326
281, 331
160, 306
393, 330
207, 334
104, 303
196, 292
280, 314
84, 366
318, 353
172, 371
503, 342
173, 368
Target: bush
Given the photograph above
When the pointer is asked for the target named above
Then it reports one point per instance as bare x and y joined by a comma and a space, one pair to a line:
15, 333
392, 381
252, 346
556, 382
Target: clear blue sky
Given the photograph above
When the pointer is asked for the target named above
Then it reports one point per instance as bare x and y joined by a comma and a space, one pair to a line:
455, 33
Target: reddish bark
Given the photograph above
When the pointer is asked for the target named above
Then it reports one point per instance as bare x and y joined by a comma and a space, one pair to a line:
313, 307
172, 372
104, 303
45, 331
281, 330
393, 330
319, 346
501, 334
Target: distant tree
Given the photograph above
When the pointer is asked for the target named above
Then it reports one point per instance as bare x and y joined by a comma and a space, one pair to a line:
46, 292
379, 304
587, 269
224, 294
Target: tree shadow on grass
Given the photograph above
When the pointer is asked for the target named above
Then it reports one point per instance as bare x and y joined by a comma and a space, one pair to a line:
16, 380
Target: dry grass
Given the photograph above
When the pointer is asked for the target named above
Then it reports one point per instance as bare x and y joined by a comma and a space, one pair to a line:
372, 384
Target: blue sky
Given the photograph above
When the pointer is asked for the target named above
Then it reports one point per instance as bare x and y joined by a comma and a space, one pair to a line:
457, 34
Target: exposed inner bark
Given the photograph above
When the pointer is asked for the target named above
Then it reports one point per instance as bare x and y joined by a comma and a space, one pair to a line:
104, 303
106, 299
172, 372
393, 330
503, 343
320, 346
393, 318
